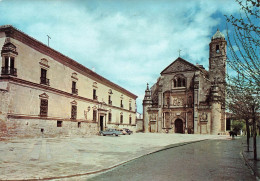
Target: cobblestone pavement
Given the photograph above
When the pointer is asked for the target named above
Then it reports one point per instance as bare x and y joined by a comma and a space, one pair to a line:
60, 158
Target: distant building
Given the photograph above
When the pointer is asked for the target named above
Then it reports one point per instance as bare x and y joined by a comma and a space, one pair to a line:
45, 92
187, 98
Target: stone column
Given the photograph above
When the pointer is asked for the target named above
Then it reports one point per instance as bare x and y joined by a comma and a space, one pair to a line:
215, 111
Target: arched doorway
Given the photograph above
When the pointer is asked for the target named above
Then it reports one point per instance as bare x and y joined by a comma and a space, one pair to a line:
178, 126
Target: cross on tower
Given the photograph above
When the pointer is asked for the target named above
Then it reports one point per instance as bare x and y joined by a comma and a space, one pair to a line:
179, 52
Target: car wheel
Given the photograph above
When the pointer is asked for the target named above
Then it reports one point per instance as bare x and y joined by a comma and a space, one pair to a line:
114, 134
101, 134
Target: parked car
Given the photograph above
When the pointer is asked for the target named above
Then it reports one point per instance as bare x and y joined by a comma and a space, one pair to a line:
126, 131
110, 131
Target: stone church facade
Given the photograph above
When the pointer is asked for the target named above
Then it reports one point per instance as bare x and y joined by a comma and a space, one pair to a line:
187, 98
45, 92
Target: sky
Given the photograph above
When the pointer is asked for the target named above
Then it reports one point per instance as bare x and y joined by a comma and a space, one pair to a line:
129, 42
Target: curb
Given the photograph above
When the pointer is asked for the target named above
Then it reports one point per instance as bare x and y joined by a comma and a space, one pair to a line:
114, 166
249, 165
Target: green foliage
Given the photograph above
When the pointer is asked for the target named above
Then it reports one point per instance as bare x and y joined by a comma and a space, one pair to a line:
237, 126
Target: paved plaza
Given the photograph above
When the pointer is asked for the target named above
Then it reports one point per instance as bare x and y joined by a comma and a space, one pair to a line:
72, 157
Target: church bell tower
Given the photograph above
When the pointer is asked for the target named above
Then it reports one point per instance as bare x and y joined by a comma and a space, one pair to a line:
217, 59
217, 76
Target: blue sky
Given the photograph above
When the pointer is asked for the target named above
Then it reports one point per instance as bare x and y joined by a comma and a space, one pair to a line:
128, 42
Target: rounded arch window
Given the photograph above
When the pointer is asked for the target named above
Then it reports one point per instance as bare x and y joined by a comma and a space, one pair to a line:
179, 81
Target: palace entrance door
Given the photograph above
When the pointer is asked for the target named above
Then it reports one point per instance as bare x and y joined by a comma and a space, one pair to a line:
101, 123
178, 126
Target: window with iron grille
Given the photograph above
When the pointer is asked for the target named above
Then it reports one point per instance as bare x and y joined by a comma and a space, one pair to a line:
59, 123
94, 115
43, 78
73, 112
8, 68
44, 107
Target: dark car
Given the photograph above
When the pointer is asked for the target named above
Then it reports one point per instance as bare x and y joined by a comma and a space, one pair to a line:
110, 131
126, 131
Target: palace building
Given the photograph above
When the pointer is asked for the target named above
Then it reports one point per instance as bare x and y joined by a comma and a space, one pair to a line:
187, 98
45, 92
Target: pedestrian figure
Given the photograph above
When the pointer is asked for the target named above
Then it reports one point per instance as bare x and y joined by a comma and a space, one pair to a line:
233, 134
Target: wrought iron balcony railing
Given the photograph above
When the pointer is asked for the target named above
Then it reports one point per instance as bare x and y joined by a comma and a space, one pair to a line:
9, 71
95, 97
74, 91
45, 81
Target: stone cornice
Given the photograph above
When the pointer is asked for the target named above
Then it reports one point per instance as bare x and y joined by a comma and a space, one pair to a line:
14, 33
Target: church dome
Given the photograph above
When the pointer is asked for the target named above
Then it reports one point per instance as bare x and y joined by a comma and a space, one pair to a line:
218, 34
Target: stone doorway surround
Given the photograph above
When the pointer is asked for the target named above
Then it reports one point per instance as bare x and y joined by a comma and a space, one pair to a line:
102, 114
178, 126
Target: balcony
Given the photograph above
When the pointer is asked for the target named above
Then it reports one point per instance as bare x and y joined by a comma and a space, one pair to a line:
110, 102
95, 97
74, 91
45, 81
9, 71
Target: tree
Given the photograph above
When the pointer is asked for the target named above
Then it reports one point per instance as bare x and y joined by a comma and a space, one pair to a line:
244, 43
243, 103
237, 126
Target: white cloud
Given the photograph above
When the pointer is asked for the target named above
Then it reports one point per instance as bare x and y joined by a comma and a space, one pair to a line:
128, 43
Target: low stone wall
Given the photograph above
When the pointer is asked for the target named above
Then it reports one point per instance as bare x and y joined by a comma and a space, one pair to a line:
48, 128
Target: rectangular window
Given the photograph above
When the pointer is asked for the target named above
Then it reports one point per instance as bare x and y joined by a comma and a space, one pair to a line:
44, 79
109, 100
94, 115
59, 123
74, 90
94, 94
121, 105
73, 112
130, 107
44, 107
12, 63
130, 120
109, 117
79, 124
6, 62
121, 119
43, 73
8, 67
